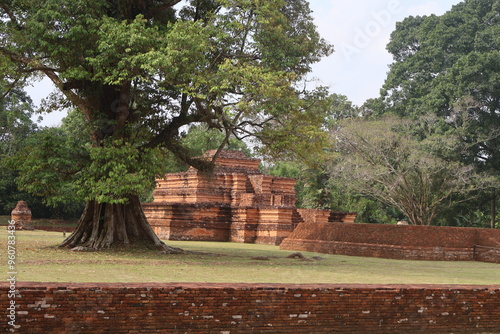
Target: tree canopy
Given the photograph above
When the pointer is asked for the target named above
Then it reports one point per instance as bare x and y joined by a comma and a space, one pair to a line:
445, 76
449, 66
382, 160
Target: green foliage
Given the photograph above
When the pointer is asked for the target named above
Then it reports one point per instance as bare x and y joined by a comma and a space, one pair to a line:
312, 188
368, 211
141, 72
15, 127
284, 169
316, 188
476, 212
117, 171
307, 130
448, 66
61, 165
381, 160
16, 131
15, 119
48, 167
445, 77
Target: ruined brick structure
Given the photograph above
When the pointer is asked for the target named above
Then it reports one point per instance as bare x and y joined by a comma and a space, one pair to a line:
21, 215
236, 202
397, 241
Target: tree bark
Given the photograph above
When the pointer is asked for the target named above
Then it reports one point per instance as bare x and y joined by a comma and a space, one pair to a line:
493, 210
103, 225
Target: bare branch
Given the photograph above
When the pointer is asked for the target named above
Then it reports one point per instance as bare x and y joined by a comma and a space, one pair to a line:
34, 65
11, 87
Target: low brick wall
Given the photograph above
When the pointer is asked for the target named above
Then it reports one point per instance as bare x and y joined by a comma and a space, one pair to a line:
397, 242
382, 251
252, 308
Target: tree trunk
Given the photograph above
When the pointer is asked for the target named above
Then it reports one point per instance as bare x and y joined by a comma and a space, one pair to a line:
493, 210
103, 225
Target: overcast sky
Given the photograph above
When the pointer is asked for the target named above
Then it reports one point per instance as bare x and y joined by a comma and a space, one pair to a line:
359, 31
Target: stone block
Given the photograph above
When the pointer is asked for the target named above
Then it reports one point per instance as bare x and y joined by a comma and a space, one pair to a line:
314, 215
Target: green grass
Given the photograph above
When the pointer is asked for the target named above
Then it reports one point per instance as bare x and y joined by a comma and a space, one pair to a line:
38, 259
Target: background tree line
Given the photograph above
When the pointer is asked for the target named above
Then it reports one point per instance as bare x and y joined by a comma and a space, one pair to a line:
427, 150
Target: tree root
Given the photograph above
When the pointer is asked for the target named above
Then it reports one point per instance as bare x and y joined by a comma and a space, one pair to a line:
165, 249
105, 225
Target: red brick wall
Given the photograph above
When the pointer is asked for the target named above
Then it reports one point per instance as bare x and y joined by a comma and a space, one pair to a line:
396, 241
252, 308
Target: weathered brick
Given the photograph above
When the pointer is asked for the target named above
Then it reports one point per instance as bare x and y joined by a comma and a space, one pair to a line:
397, 242
210, 308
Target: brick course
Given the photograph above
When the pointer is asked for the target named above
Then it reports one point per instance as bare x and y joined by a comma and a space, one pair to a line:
253, 308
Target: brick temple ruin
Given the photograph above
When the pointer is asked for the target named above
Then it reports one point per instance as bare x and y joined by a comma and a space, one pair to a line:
235, 202
21, 216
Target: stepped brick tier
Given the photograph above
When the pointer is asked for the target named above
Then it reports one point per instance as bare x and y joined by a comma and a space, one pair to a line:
235, 202
397, 241
21, 215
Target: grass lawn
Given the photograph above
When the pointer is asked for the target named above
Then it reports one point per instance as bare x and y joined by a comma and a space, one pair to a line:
38, 259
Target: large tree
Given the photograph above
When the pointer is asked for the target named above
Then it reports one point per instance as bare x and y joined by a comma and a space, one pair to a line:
449, 66
139, 71
381, 159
